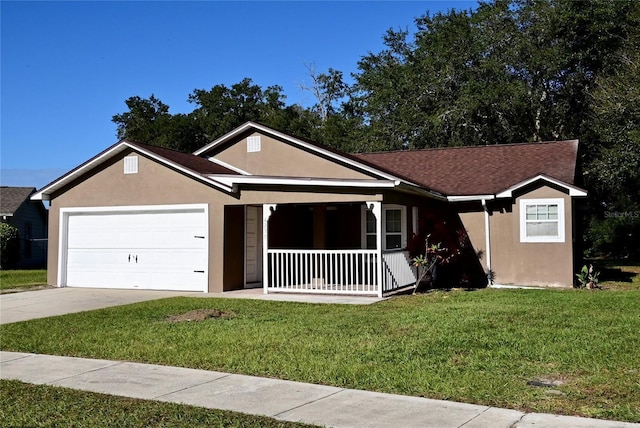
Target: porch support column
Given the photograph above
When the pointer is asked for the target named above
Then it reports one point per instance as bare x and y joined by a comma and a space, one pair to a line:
267, 210
376, 210
487, 238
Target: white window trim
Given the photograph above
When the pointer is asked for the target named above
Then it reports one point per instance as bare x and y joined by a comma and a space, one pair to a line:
542, 239
403, 229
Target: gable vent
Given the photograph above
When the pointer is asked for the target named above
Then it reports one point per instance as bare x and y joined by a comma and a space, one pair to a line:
131, 164
253, 144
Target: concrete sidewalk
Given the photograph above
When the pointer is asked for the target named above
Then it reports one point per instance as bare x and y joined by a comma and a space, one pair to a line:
283, 400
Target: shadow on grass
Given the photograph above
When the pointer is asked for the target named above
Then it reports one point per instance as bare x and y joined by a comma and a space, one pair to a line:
616, 270
616, 274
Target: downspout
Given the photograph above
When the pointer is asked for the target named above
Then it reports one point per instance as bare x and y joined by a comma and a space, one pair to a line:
487, 243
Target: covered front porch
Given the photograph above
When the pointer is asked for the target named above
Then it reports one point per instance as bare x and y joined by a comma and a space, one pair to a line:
343, 249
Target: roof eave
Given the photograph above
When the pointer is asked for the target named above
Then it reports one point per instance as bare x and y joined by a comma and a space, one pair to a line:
45, 193
419, 190
239, 180
573, 190
469, 198
227, 165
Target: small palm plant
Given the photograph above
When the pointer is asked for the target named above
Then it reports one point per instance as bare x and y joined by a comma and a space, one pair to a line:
587, 278
426, 263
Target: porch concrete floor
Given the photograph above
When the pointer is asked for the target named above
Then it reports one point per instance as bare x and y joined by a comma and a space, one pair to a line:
258, 293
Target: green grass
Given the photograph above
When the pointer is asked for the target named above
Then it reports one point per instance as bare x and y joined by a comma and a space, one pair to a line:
25, 405
12, 279
478, 347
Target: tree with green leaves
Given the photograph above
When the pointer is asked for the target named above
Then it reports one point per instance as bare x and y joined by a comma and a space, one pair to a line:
217, 111
613, 171
222, 109
511, 71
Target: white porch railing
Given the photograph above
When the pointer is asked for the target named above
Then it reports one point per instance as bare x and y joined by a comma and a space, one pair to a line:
397, 271
336, 271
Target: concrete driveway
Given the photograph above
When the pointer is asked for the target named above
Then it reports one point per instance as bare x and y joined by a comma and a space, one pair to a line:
28, 305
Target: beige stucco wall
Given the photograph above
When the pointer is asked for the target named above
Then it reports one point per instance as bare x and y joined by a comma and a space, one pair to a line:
277, 158
156, 184
523, 263
473, 222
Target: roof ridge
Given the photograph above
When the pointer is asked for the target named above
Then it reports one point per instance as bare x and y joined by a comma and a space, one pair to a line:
431, 149
137, 143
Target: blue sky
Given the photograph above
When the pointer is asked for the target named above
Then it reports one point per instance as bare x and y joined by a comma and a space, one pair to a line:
68, 67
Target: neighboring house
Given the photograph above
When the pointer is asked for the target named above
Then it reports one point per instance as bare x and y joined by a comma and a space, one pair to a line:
257, 207
30, 218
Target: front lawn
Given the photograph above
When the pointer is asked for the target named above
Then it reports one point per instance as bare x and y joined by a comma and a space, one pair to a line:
22, 279
25, 405
482, 347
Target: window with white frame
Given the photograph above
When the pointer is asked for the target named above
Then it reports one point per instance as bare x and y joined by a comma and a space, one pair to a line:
394, 228
542, 220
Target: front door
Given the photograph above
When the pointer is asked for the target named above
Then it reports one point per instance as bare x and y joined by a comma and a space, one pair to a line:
253, 245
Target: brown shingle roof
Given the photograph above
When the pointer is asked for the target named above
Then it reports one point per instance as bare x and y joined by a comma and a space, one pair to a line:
480, 170
12, 197
187, 160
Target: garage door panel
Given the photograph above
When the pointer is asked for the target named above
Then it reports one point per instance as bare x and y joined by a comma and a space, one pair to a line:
81, 258
146, 249
185, 238
100, 239
172, 260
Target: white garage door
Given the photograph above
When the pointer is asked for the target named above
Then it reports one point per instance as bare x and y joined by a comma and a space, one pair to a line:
145, 248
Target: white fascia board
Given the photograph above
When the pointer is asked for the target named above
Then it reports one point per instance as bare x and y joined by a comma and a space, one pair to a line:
43, 194
228, 166
573, 191
470, 198
231, 180
308, 146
